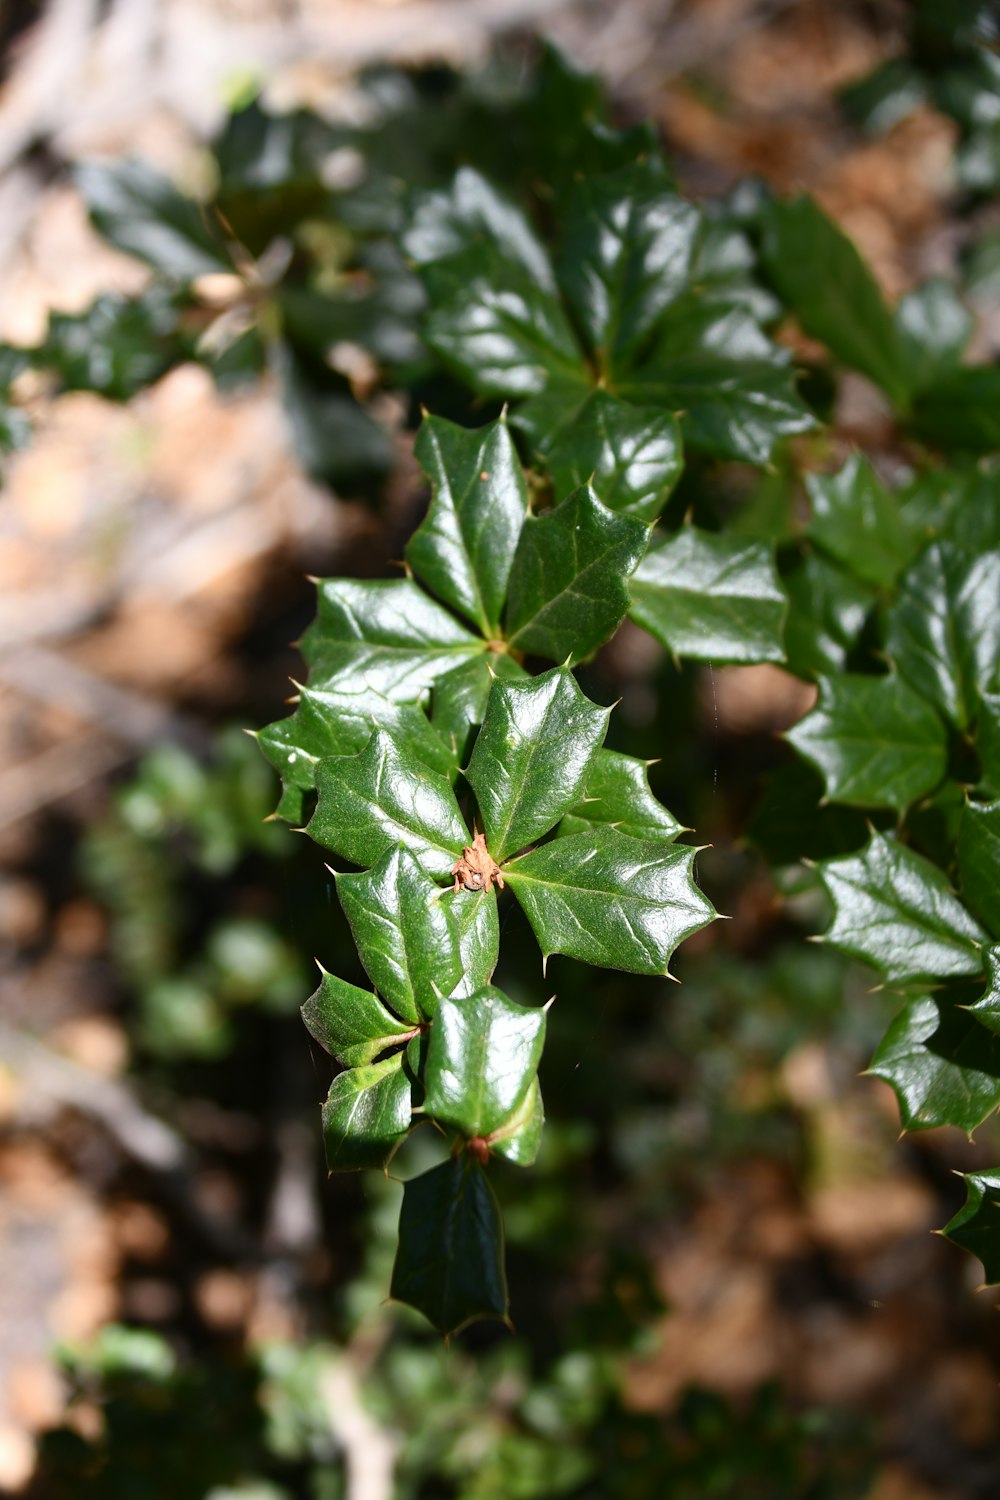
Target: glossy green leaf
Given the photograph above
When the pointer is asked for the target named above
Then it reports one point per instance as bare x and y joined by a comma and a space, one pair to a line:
943, 633
733, 389
460, 697
827, 609
942, 1065
823, 280
385, 796
404, 934
326, 724
386, 636
610, 900
625, 256
896, 910
450, 1261
472, 213
477, 922
856, 521
711, 598
630, 455
367, 1115
482, 1055
875, 741
988, 743
519, 1138
976, 1226
465, 548
986, 1009
979, 862
532, 757
934, 326
617, 794
568, 589
142, 213
117, 347
352, 1024
961, 410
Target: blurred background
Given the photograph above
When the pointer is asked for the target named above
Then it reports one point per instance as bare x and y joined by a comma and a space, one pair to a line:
723, 1276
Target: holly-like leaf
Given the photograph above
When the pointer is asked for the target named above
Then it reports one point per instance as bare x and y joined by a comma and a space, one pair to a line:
366, 1116
732, 387
618, 795
450, 1261
934, 327
988, 743
827, 609
404, 934
986, 1009
326, 724
386, 636
875, 741
519, 1138
626, 255
943, 633
711, 598
976, 1226
472, 213
464, 549
117, 346
856, 521
477, 923
942, 1065
610, 900
961, 410
532, 757
461, 695
568, 589
385, 796
631, 455
823, 280
142, 213
352, 1024
482, 1055
896, 910
979, 862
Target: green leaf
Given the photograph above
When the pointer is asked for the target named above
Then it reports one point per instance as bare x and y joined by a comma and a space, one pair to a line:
631, 455
610, 900
876, 742
859, 523
943, 633
986, 1009
404, 934
961, 410
472, 213
477, 923
625, 256
988, 743
482, 1055
465, 548
827, 609
326, 724
460, 697
366, 1116
733, 389
385, 796
617, 794
943, 1067
934, 326
450, 1261
568, 590
886, 95
117, 346
976, 1226
823, 280
896, 910
385, 637
979, 862
532, 757
142, 213
352, 1024
519, 1138
711, 598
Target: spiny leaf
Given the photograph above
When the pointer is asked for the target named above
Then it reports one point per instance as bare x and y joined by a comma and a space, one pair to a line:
366, 1115
404, 934
461, 695
857, 521
943, 1067
352, 1024
630, 455
532, 757
477, 923
520, 1137
471, 212
482, 1055
385, 796
976, 1226
568, 589
618, 794
986, 1009
450, 1261
979, 862
896, 910
609, 899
